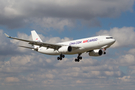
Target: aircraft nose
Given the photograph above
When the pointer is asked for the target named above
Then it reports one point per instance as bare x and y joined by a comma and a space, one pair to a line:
114, 40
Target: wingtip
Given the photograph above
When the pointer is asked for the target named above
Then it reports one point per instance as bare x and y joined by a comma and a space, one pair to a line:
6, 35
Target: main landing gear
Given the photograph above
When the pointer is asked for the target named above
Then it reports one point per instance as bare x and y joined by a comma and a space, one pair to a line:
78, 58
61, 56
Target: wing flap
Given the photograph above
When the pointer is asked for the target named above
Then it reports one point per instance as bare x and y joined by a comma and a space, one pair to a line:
27, 47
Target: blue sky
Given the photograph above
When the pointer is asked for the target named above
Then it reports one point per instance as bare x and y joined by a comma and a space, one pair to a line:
63, 20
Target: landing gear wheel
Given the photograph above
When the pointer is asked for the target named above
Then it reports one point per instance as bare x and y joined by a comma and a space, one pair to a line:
77, 60
104, 52
61, 56
79, 57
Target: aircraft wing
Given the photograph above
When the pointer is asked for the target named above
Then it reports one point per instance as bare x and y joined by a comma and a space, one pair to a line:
48, 45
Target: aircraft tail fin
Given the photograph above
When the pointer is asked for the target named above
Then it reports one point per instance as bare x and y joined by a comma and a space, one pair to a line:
35, 37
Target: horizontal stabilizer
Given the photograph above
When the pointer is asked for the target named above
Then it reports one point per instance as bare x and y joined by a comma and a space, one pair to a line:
6, 35
36, 49
27, 47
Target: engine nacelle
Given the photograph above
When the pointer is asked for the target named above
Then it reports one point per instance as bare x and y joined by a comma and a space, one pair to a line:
97, 52
64, 49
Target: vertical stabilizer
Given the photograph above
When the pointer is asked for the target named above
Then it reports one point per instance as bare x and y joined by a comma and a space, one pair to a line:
35, 37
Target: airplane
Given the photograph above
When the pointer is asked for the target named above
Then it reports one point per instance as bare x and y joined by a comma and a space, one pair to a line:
95, 46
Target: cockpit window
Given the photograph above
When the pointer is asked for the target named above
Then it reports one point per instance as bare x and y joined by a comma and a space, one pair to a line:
109, 37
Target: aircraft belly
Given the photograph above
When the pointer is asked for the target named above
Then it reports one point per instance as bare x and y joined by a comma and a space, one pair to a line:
91, 46
48, 51
55, 52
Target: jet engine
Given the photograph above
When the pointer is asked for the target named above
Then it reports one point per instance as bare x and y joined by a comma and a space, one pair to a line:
97, 52
64, 49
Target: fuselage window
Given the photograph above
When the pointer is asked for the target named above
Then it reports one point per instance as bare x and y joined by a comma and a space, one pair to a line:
109, 37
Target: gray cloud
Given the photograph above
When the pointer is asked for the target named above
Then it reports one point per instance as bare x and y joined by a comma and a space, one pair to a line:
6, 47
59, 13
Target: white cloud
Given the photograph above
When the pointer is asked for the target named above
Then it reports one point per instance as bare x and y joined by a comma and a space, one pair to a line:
123, 59
125, 78
56, 39
20, 60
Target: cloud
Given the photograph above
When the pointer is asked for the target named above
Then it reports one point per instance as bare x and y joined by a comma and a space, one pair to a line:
127, 60
123, 59
59, 13
10, 47
6, 47
125, 78
132, 51
124, 36
50, 22
11, 79
35, 70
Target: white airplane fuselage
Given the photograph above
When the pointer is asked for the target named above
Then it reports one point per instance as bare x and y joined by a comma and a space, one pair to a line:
96, 46
86, 45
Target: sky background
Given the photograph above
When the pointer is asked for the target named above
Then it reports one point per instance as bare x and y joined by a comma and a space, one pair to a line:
64, 20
